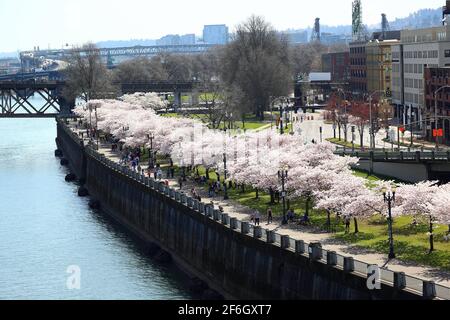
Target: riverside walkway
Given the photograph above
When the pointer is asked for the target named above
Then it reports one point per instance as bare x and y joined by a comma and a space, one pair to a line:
416, 273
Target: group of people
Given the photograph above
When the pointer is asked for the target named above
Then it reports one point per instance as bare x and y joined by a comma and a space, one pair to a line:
214, 189
132, 159
196, 195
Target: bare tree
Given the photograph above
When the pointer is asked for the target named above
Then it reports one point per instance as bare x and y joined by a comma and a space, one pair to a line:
86, 76
257, 62
141, 69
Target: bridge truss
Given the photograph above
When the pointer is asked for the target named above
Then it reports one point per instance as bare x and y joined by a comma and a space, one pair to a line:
15, 100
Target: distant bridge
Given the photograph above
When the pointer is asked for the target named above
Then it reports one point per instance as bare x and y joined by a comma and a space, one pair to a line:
48, 75
15, 99
15, 95
109, 53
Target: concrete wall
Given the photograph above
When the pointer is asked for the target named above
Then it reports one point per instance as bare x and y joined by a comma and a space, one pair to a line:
236, 265
408, 172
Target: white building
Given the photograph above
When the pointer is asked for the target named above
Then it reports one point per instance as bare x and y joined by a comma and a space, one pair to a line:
215, 34
417, 49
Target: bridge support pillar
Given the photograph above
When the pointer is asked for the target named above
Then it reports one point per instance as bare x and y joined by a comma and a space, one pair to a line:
195, 98
177, 101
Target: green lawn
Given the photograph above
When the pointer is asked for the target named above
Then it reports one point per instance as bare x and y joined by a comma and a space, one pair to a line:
343, 143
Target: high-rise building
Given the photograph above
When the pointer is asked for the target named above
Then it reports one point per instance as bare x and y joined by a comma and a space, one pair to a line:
338, 65
417, 50
297, 37
215, 34
187, 39
175, 40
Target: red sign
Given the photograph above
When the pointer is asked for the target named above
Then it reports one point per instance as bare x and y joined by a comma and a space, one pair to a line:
402, 129
438, 133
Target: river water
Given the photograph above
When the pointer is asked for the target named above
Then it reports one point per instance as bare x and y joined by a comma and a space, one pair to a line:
46, 231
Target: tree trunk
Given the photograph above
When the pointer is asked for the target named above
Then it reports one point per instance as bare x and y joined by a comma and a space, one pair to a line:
307, 206
207, 174
431, 235
328, 220
272, 197
243, 188
362, 140
356, 226
257, 193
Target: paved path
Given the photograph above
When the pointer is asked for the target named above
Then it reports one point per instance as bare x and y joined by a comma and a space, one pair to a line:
306, 234
311, 130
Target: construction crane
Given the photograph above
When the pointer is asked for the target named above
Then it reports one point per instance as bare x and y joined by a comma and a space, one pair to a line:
315, 37
357, 22
445, 12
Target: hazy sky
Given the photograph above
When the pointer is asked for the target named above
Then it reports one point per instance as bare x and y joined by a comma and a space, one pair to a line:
28, 23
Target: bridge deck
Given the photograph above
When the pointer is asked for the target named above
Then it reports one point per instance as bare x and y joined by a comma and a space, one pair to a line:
418, 156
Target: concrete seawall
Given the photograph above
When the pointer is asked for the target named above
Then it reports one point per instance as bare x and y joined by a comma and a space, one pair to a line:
237, 265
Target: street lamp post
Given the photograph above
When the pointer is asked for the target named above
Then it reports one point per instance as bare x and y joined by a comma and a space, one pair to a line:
225, 187
151, 163
436, 113
281, 120
282, 175
389, 198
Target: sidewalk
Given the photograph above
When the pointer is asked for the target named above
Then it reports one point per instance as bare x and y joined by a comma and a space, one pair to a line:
306, 234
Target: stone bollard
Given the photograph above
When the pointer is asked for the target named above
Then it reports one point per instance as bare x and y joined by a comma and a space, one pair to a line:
215, 213
270, 236
257, 232
233, 223
299, 247
399, 280
429, 290
245, 227
331, 258
224, 219
285, 242
315, 251
349, 264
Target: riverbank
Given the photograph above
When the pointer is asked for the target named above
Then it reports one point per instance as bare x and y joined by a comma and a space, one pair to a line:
244, 254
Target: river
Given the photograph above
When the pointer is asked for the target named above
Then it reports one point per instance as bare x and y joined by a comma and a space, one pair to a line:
46, 230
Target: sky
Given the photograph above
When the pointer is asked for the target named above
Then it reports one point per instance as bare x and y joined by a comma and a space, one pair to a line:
25, 24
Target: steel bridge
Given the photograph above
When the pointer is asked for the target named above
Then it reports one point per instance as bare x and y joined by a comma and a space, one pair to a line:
137, 51
15, 99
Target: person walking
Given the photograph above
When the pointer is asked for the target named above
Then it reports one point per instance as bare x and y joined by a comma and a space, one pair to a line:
180, 182
257, 218
347, 224
269, 216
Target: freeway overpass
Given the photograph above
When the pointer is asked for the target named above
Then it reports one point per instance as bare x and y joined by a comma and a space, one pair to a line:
404, 166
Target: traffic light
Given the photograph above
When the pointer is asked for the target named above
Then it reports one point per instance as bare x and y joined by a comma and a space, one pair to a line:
388, 93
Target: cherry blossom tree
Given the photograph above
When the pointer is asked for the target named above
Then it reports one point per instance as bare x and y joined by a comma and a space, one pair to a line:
416, 200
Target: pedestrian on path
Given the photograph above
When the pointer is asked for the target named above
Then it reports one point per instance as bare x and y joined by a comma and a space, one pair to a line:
347, 224
257, 218
269, 216
180, 182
